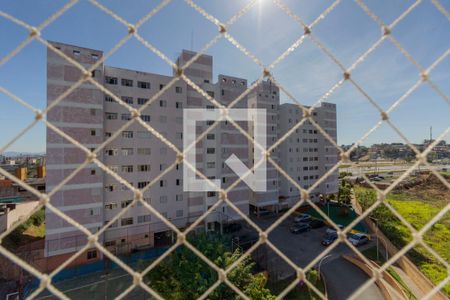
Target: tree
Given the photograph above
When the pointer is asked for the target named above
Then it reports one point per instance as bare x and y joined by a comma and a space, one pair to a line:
344, 197
183, 275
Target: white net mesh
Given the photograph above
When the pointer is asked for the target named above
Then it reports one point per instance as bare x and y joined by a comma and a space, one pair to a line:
223, 33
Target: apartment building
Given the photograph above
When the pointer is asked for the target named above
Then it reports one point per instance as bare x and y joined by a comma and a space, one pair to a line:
306, 155
93, 197
267, 96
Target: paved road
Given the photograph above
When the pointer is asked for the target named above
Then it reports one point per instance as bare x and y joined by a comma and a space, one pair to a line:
357, 169
342, 277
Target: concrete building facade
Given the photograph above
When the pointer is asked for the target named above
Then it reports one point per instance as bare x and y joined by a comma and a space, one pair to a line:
93, 197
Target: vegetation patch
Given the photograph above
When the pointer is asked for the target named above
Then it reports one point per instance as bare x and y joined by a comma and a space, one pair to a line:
417, 212
301, 290
183, 275
30, 230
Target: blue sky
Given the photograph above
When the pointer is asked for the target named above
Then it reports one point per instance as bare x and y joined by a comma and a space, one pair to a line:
267, 32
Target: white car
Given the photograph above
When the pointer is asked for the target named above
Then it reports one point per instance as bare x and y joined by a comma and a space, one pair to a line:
302, 218
358, 239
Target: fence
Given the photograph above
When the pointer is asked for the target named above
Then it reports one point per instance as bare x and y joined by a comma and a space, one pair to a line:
99, 266
46, 280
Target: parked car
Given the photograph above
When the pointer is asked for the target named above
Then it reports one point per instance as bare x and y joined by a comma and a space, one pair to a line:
299, 228
333, 230
302, 218
316, 223
358, 239
329, 238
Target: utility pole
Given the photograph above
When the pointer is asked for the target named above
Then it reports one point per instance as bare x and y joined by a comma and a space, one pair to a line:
431, 134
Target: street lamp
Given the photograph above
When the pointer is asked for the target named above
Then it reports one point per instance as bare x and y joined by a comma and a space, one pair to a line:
385, 246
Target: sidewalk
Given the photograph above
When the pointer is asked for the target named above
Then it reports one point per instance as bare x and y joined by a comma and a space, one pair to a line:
408, 281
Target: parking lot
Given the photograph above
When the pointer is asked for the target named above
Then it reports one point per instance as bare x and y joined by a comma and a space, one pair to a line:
301, 248
342, 277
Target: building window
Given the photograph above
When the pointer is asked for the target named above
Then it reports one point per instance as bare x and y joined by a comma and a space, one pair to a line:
110, 80
93, 112
211, 194
126, 221
128, 100
125, 203
210, 150
109, 243
178, 89
144, 218
145, 118
210, 93
125, 117
142, 184
144, 151
127, 151
92, 254
114, 168
127, 134
161, 86
110, 205
210, 136
179, 213
127, 169
94, 56
162, 183
109, 99
144, 135
163, 199
179, 197
179, 135
143, 85
76, 53
162, 103
177, 182
143, 168
178, 104
210, 165
94, 211
93, 132
126, 82
92, 171
111, 116
110, 188
142, 101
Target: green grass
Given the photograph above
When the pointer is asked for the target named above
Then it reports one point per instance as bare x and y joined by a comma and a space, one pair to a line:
417, 212
337, 217
31, 230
